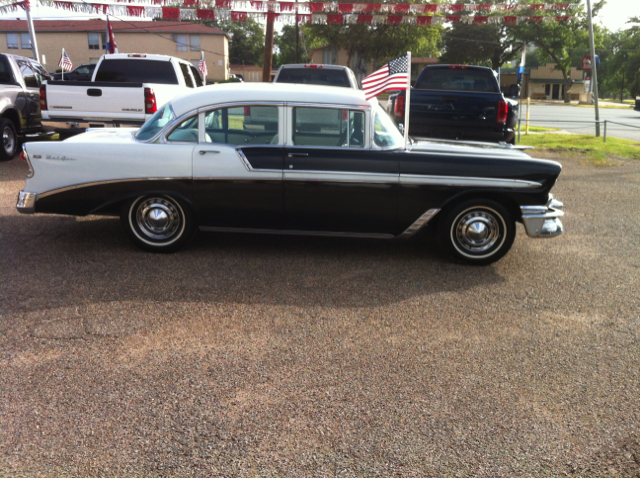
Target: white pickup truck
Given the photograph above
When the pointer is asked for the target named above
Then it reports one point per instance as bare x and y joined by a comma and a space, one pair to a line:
125, 88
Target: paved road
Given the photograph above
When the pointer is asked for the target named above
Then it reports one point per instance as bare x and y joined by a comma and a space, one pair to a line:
542, 113
272, 356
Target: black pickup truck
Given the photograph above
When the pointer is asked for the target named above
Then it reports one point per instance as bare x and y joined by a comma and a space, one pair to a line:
458, 102
20, 80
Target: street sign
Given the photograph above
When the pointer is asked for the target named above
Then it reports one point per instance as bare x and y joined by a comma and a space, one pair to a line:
586, 63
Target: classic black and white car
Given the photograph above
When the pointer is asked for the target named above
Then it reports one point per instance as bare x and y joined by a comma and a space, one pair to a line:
293, 159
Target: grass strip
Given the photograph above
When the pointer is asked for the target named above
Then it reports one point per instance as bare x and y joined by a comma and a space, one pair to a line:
537, 128
588, 147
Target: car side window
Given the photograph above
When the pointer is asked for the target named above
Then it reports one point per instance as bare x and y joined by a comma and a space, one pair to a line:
30, 78
328, 127
244, 125
187, 131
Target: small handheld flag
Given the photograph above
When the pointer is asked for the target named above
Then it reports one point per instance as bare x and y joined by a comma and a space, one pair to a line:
65, 62
202, 67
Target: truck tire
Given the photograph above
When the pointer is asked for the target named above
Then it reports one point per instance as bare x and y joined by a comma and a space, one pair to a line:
9, 146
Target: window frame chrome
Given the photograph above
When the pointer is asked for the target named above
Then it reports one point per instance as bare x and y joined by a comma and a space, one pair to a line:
333, 106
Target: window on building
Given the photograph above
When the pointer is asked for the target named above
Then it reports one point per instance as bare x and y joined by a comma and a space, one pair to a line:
195, 43
181, 42
25, 41
329, 56
94, 41
547, 89
104, 40
12, 41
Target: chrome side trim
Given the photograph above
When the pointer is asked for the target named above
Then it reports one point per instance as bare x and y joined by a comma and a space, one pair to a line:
27, 202
297, 232
248, 166
466, 181
105, 182
419, 223
340, 176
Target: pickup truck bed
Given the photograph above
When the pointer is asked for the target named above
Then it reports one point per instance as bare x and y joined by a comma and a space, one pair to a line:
457, 102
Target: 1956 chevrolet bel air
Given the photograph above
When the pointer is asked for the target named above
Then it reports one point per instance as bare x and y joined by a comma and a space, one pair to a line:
293, 159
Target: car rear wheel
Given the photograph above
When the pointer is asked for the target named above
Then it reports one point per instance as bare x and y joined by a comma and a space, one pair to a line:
477, 231
158, 223
9, 139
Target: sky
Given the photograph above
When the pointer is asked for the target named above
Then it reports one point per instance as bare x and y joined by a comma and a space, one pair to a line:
613, 16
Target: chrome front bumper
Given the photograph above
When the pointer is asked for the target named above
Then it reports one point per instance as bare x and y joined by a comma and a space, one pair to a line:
27, 202
543, 221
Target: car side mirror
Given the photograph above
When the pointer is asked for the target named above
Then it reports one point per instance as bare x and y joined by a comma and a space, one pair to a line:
401, 128
514, 91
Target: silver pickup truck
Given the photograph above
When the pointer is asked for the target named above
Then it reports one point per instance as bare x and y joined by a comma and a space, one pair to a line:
20, 80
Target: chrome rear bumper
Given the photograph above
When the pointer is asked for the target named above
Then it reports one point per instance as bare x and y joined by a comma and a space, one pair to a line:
27, 202
543, 221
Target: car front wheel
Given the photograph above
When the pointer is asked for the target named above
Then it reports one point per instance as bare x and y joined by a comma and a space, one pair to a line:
477, 231
158, 223
9, 139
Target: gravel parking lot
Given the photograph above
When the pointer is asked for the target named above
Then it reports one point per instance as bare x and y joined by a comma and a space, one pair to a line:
291, 356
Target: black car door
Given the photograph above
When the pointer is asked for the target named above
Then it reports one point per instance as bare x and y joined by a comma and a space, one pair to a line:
332, 181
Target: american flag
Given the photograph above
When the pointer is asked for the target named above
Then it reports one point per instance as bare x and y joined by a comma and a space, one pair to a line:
202, 66
65, 62
393, 76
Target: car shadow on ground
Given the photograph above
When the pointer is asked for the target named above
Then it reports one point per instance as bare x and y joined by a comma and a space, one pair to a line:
93, 260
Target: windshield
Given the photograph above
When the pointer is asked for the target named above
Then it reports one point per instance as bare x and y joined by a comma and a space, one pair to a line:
385, 132
157, 122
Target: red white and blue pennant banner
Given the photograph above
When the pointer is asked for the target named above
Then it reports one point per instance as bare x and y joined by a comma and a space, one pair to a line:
317, 12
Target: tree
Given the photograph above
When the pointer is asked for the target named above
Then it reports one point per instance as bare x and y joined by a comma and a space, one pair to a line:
376, 43
246, 45
487, 45
559, 42
285, 42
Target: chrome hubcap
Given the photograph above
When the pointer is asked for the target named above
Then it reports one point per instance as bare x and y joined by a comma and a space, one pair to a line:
158, 218
477, 231
8, 139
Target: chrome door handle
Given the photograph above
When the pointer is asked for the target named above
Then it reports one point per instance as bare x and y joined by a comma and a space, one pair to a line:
291, 155
204, 152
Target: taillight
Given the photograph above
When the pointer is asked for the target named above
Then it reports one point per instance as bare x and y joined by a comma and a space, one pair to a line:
22, 156
398, 108
43, 97
150, 101
503, 109
247, 111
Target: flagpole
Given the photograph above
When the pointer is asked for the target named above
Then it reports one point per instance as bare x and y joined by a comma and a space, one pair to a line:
407, 102
61, 57
108, 38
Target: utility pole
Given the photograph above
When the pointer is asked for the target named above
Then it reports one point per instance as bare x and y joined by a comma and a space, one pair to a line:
594, 69
297, 33
32, 31
268, 48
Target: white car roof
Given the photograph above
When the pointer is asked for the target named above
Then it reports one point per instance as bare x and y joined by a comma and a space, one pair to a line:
255, 92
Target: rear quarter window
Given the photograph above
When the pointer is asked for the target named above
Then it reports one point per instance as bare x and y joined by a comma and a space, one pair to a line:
314, 76
137, 71
458, 79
